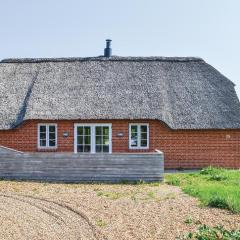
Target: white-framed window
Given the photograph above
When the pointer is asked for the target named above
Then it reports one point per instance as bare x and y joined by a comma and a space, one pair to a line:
93, 138
47, 135
138, 135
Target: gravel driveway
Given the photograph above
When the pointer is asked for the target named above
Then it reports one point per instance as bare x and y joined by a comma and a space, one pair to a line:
31, 210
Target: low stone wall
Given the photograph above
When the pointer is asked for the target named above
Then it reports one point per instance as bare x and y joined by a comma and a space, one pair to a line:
70, 167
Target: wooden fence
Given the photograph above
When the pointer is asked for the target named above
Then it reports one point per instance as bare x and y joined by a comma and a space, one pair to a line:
70, 167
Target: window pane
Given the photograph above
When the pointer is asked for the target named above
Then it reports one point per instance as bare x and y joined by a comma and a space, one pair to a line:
43, 128
105, 140
98, 148
134, 135
98, 130
105, 148
143, 128
133, 129
52, 129
106, 131
80, 140
143, 143
80, 148
144, 136
43, 142
87, 130
87, 148
52, 143
98, 139
80, 130
52, 136
87, 140
42, 135
134, 141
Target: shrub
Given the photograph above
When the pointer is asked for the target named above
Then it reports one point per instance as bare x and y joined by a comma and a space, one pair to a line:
218, 202
216, 233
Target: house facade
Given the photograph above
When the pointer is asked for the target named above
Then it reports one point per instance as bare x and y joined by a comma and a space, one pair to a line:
180, 106
181, 148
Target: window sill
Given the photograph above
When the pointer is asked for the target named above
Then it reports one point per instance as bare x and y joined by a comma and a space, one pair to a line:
138, 148
47, 148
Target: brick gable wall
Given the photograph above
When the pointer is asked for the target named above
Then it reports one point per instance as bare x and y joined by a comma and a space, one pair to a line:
182, 148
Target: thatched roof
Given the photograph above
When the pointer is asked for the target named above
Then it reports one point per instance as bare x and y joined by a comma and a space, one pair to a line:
185, 93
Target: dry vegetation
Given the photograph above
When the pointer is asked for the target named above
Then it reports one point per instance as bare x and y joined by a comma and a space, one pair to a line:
31, 210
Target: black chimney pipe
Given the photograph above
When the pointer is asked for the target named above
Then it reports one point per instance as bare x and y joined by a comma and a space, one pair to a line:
108, 50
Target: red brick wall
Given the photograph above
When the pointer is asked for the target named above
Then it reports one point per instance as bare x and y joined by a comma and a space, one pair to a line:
182, 148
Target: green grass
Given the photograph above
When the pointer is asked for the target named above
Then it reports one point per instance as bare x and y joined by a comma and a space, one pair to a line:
214, 187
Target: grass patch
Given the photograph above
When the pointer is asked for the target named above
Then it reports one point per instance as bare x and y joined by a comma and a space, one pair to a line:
188, 220
140, 191
101, 223
111, 195
215, 187
169, 196
151, 194
134, 195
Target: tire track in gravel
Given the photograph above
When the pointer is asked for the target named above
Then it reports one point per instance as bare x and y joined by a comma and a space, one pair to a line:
62, 213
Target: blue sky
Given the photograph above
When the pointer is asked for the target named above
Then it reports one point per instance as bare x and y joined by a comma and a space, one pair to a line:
61, 28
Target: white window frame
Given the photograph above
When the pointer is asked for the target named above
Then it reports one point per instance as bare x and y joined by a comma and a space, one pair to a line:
47, 136
138, 135
93, 143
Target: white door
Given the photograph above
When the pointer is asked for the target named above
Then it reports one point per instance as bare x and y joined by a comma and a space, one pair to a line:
93, 138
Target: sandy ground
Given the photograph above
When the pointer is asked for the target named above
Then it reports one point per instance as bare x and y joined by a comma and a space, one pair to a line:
31, 210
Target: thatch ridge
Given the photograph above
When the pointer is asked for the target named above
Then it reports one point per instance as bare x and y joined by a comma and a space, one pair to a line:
101, 58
